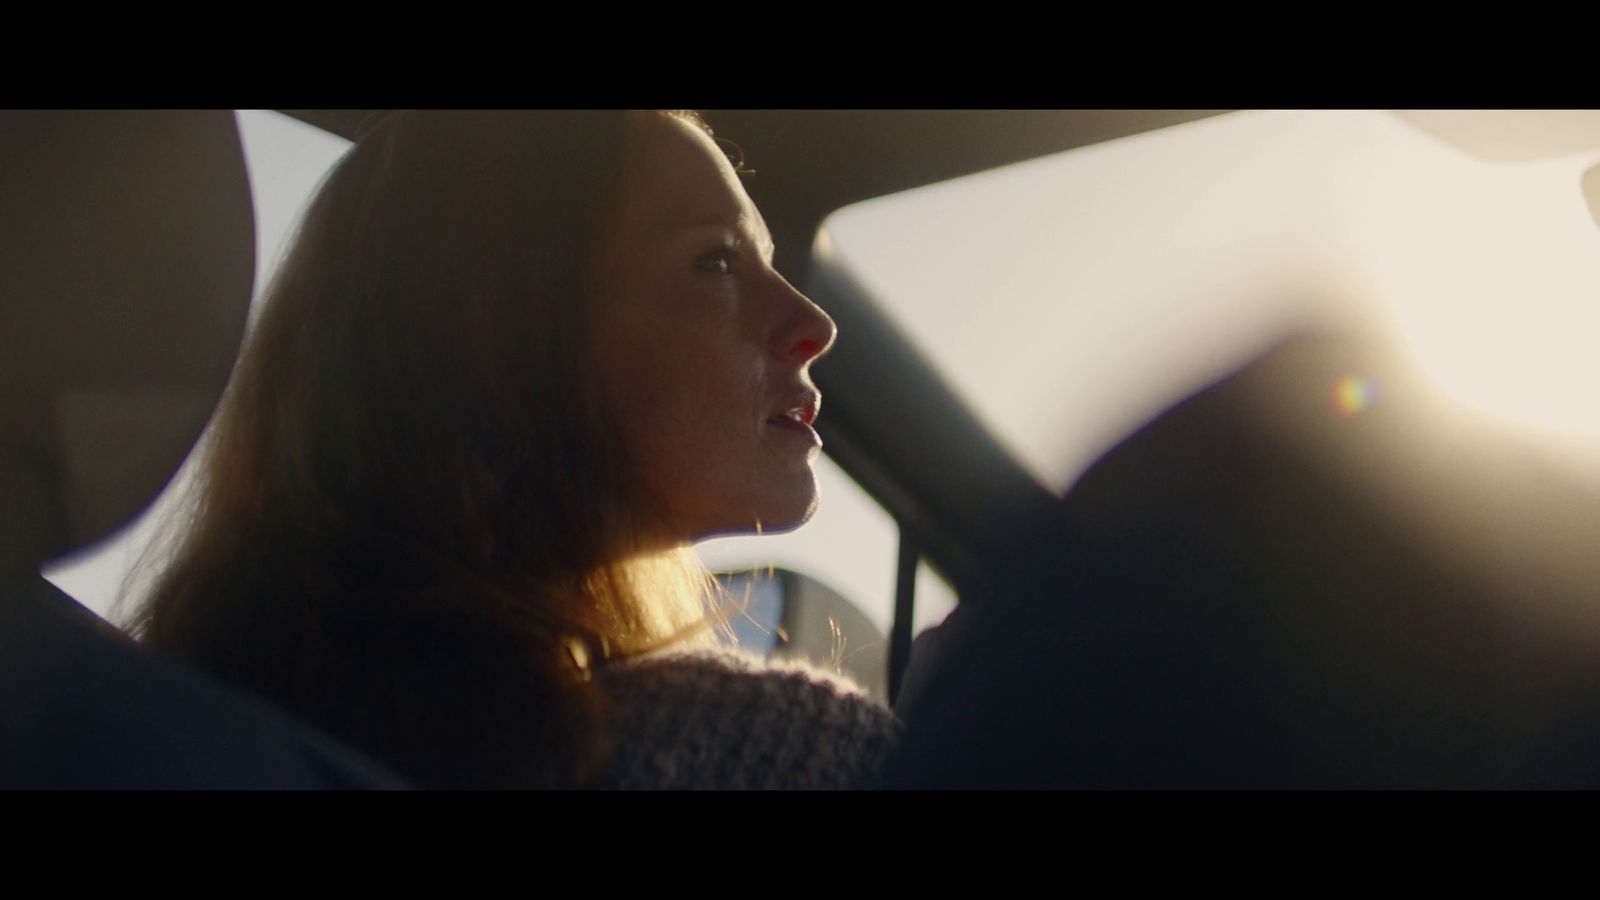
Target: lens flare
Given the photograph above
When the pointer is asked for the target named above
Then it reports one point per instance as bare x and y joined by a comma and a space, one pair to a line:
1353, 394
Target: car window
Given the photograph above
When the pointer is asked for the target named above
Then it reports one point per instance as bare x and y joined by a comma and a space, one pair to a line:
1071, 298
851, 545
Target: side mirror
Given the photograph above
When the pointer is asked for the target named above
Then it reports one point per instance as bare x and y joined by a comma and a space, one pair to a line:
782, 614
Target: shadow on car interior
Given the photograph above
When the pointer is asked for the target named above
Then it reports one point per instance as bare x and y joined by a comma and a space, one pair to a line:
1285, 583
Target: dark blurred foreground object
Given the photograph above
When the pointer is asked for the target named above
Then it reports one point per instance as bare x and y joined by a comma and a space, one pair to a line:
125, 281
85, 708
1316, 574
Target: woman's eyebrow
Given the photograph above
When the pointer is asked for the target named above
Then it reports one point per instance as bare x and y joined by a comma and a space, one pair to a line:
741, 222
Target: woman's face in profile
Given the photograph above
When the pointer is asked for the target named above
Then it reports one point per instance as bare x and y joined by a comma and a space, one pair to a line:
703, 349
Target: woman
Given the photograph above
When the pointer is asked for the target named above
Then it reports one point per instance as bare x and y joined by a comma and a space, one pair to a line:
513, 367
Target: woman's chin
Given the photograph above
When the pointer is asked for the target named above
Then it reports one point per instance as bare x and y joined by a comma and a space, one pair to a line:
772, 518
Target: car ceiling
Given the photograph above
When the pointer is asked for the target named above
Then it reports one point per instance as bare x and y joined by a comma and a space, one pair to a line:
812, 162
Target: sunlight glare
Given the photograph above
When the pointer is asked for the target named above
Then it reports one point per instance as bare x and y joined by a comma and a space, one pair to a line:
1493, 275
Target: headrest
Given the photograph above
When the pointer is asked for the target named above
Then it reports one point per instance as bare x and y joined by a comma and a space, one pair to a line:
125, 282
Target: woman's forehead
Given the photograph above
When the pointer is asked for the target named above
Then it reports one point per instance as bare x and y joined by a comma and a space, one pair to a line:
679, 178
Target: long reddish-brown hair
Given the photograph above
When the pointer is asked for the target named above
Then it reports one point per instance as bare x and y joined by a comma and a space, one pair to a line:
413, 523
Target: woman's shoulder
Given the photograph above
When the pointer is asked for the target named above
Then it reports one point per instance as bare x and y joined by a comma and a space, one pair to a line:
720, 718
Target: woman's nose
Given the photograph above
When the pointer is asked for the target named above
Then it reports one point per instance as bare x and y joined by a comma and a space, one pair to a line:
808, 334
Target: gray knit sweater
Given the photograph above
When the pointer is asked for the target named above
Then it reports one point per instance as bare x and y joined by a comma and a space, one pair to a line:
721, 719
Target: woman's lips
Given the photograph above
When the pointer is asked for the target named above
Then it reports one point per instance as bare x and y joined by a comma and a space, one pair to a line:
803, 406
794, 423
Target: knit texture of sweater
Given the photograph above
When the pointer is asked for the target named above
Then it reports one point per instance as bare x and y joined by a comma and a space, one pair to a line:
721, 719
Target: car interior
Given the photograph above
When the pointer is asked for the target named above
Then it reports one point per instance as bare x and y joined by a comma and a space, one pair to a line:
126, 286
1311, 569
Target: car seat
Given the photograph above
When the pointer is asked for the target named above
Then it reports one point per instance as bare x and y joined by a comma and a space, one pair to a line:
125, 282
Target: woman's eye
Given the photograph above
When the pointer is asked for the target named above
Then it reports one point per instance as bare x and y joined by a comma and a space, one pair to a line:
718, 262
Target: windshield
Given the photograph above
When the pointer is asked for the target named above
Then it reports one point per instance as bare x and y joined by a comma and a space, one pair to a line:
1071, 298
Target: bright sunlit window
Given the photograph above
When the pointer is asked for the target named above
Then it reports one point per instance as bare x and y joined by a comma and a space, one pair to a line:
1072, 298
